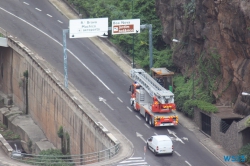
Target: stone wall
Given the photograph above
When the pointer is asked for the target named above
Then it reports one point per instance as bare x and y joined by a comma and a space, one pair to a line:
49, 104
232, 140
197, 117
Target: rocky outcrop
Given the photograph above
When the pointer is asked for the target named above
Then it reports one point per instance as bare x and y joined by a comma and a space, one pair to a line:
204, 27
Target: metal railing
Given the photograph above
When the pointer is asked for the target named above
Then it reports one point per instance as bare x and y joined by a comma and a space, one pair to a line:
66, 160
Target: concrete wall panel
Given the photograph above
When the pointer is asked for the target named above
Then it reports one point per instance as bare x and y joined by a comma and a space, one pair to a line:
50, 105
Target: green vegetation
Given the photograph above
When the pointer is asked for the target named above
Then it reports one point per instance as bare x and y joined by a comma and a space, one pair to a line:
248, 122
206, 80
207, 73
7, 134
245, 150
190, 9
122, 9
184, 92
65, 140
51, 157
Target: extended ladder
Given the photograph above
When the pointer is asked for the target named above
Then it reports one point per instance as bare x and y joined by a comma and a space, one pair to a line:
151, 86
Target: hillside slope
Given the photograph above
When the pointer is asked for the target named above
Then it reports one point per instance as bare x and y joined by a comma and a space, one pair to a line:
215, 37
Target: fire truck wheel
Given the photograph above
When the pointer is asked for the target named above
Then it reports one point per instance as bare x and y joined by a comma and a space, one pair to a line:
146, 117
132, 103
151, 123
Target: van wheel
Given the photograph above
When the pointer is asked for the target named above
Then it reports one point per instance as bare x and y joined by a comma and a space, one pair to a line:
147, 146
150, 122
146, 117
155, 153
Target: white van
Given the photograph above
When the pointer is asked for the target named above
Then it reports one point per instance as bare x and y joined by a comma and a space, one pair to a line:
160, 144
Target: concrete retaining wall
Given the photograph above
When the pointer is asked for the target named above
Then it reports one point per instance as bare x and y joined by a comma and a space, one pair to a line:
49, 104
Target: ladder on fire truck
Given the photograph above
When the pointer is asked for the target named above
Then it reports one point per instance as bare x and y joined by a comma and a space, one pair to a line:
151, 86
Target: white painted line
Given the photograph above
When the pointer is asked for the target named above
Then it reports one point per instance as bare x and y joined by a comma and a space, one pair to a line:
108, 105
49, 15
178, 139
177, 153
144, 163
38, 9
213, 154
138, 117
155, 133
60, 45
129, 109
26, 3
188, 163
131, 161
134, 158
146, 125
119, 99
60, 21
140, 136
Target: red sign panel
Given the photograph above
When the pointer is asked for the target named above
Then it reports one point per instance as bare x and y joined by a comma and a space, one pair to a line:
123, 28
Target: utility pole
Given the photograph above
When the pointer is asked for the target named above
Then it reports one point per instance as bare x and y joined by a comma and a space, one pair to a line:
133, 66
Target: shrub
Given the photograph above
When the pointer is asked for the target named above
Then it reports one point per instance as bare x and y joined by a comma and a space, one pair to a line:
245, 150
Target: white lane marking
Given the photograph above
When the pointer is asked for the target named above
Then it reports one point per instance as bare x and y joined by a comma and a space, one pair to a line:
49, 15
60, 21
188, 163
146, 125
135, 158
26, 3
138, 117
38, 9
177, 153
155, 133
141, 136
60, 45
119, 99
143, 164
104, 101
109, 106
131, 161
176, 138
129, 109
213, 154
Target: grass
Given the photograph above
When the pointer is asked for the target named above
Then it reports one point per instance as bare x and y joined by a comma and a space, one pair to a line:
8, 134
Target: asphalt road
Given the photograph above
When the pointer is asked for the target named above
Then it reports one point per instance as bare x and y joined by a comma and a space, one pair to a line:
39, 26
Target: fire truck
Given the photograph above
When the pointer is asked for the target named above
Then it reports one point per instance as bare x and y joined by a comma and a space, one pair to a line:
155, 103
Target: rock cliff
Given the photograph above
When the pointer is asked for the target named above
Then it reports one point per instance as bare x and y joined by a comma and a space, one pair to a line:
206, 29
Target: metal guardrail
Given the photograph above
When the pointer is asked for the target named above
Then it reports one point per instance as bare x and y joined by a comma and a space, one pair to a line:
65, 160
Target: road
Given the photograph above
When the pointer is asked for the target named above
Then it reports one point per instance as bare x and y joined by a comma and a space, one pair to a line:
39, 26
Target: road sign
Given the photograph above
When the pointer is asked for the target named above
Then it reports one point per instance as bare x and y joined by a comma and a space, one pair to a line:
88, 27
125, 26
